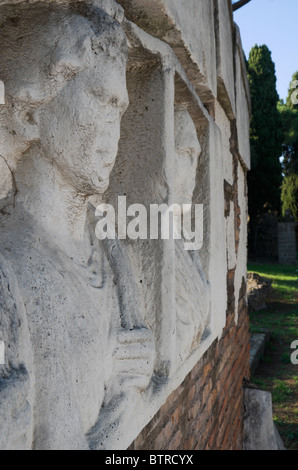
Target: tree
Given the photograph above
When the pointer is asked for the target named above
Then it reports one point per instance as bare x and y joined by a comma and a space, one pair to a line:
289, 195
265, 177
292, 94
289, 117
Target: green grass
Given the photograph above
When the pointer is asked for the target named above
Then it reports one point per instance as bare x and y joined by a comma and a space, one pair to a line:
285, 279
281, 325
276, 373
281, 391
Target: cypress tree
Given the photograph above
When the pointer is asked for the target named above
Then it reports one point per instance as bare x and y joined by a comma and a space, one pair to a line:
265, 177
289, 195
289, 116
292, 97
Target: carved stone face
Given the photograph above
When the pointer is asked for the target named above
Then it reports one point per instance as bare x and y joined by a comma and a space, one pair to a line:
80, 128
68, 93
187, 151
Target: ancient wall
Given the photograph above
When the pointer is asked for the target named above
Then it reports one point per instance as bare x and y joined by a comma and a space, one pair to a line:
206, 412
116, 334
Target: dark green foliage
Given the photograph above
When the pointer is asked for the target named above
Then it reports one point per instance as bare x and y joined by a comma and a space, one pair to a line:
289, 195
265, 177
293, 92
289, 117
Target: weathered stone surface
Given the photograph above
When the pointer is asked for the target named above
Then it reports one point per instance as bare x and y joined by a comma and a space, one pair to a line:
224, 57
258, 290
260, 432
242, 101
99, 333
224, 124
190, 417
257, 348
218, 243
71, 113
2, 93
241, 218
189, 29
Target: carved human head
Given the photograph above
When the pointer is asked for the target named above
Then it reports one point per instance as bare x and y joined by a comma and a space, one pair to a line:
187, 152
64, 69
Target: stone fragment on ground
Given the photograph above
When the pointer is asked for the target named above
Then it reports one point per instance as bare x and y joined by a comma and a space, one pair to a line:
260, 432
258, 290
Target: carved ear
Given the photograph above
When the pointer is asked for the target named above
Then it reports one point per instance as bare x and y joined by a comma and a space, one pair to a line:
20, 112
69, 59
21, 128
31, 122
27, 121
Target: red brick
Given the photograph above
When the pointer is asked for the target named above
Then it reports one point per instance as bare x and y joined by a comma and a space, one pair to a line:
206, 371
211, 400
176, 416
206, 411
175, 442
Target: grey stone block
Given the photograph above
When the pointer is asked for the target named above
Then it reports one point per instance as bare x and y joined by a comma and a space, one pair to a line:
260, 432
257, 347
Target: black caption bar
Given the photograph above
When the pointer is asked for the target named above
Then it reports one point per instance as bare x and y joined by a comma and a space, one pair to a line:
136, 459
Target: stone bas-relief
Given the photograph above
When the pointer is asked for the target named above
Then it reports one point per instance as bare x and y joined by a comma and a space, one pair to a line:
192, 288
82, 369
77, 348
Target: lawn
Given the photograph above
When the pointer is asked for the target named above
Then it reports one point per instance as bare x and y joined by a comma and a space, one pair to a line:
276, 373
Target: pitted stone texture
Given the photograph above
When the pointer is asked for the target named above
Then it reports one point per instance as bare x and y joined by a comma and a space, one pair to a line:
188, 27
224, 56
242, 96
100, 341
258, 291
59, 134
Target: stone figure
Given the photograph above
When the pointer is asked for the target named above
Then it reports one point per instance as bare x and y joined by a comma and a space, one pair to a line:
74, 341
192, 288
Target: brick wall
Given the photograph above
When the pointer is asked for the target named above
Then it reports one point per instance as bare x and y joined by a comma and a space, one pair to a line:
206, 411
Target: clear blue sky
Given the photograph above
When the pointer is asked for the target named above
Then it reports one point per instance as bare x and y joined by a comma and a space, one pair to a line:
274, 23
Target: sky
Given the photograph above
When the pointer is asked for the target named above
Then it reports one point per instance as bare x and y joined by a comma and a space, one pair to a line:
274, 23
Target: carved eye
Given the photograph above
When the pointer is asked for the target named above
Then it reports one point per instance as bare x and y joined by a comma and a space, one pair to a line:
187, 153
97, 92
